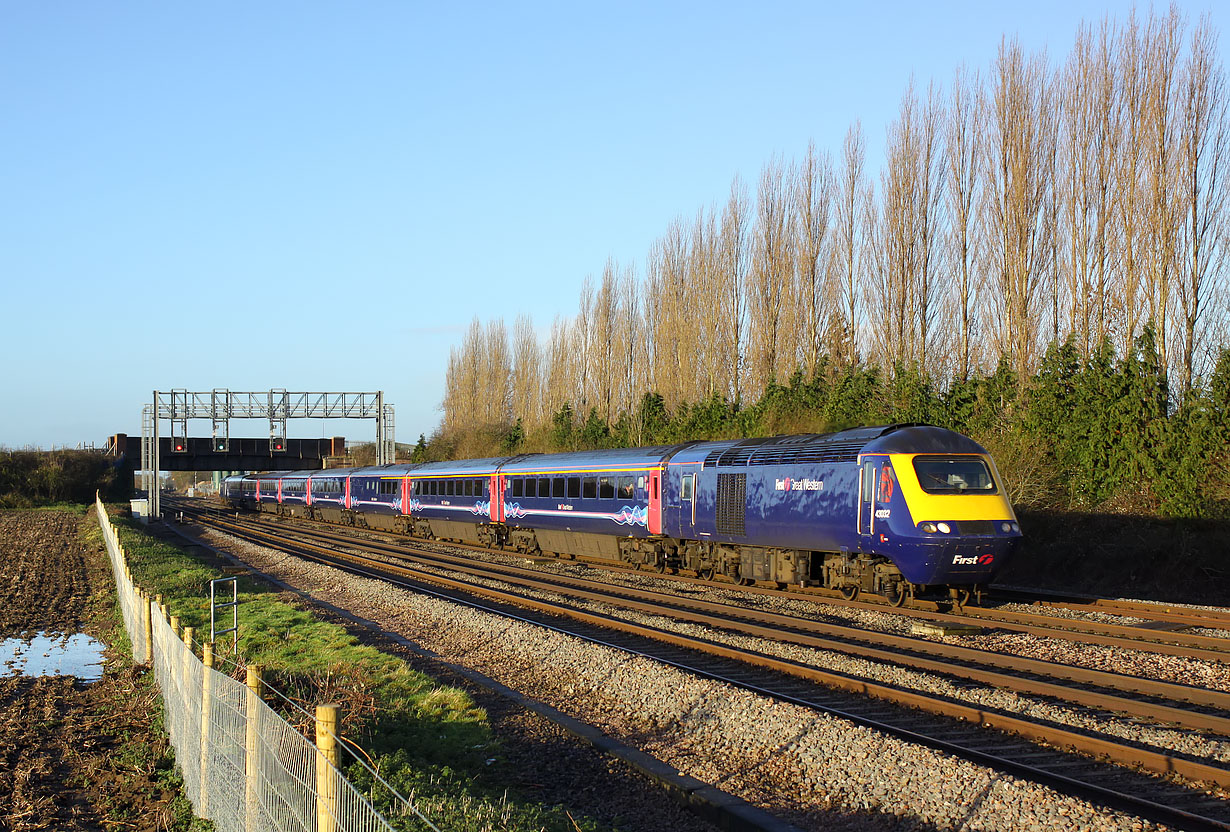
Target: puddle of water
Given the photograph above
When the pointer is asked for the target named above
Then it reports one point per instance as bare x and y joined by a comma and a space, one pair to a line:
53, 654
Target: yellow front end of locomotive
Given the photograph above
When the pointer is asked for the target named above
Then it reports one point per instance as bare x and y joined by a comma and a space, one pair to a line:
948, 487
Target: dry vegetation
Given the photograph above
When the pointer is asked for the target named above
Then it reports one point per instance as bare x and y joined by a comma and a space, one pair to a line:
1036, 202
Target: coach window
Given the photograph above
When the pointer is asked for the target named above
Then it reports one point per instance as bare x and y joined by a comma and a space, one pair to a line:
518, 487
625, 488
606, 488
557, 487
531, 487
544, 487
574, 487
685, 489
589, 488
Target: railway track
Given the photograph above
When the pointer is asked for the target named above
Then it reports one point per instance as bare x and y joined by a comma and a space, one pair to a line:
990, 738
1178, 615
1133, 636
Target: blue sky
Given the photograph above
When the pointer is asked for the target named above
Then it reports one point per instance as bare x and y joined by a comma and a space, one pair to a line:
321, 196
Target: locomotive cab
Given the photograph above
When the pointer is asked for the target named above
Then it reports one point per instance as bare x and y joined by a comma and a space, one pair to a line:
943, 518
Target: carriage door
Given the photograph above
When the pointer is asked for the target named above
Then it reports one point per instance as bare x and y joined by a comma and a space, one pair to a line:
495, 489
868, 478
654, 521
687, 503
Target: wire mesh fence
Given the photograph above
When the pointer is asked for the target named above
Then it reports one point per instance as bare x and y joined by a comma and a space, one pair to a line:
244, 767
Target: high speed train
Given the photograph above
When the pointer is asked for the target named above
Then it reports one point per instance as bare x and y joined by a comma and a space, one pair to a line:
897, 510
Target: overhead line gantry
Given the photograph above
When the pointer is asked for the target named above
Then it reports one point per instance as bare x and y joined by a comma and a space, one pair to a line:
277, 405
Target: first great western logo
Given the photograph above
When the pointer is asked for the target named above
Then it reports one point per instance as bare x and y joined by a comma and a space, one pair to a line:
804, 484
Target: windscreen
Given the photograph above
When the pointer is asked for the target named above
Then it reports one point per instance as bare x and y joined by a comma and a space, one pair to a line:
953, 475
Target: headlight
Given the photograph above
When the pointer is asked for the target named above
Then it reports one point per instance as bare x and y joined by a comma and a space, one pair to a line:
1006, 526
944, 527
929, 528
1015, 527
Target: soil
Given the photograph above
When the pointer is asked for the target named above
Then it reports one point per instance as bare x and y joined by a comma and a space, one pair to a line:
74, 756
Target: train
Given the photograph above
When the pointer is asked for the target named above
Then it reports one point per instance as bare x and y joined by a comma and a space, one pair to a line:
902, 511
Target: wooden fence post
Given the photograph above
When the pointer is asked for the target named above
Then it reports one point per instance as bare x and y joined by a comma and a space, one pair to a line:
149, 630
207, 659
328, 758
254, 698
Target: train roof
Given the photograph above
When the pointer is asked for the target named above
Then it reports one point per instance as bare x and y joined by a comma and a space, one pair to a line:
922, 439
459, 467
630, 459
841, 446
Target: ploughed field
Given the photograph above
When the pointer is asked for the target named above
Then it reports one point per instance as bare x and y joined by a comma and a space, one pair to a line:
73, 755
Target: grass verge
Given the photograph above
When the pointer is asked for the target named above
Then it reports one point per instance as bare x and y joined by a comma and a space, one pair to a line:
430, 742
135, 783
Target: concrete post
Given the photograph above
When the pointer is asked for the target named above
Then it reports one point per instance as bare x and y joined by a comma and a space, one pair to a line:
328, 758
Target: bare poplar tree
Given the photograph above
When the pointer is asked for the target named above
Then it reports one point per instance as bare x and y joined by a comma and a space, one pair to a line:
1163, 43
582, 350
1019, 141
467, 404
602, 350
928, 276
906, 273
770, 290
452, 391
893, 229
526, 374
964, 141
813, 208
705, 288
1202, 168
494, 394
673, 327
559, 386
734, 263
849, 242
1130, 194
631, 344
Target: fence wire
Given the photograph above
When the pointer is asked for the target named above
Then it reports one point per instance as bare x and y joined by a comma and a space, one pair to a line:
244, 767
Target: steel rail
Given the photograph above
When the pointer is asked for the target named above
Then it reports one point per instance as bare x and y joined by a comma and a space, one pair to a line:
1214, 619
1095, 746
702, 612
888, 648
1186, 645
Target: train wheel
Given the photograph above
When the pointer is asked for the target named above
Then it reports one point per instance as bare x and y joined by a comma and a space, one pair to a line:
849, 592
898, 593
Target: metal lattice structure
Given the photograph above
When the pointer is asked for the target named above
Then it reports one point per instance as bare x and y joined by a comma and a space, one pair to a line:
277, 405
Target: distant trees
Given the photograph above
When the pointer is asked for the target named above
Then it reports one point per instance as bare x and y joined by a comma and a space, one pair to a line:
1028, 206
34, 478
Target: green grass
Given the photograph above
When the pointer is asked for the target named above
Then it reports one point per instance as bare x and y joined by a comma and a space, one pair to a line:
429, 741
145, 766
78, 509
